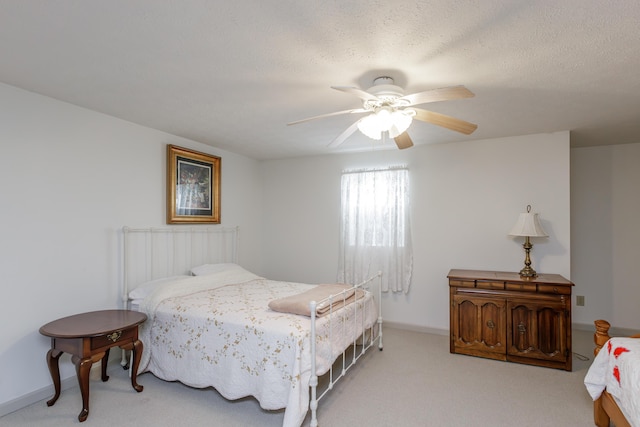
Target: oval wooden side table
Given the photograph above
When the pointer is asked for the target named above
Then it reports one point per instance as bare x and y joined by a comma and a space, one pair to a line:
88, 337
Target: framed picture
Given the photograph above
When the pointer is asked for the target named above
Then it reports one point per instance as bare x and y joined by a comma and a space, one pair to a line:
193, 186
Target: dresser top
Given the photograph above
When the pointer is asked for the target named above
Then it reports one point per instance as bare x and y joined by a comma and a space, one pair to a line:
507, 276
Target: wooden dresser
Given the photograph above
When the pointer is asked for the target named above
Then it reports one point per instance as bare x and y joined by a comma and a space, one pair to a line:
499, 315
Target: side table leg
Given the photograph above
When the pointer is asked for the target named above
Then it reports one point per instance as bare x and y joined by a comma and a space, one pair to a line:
105, 361
137, 355
83, 368
54, 369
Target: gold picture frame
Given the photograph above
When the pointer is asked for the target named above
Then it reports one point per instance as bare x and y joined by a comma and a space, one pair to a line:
193, 186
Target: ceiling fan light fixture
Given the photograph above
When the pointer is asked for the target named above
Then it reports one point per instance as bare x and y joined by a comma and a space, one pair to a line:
400, 122
370, 126
386, 119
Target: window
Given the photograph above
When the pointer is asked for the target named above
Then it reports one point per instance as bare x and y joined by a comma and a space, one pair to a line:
375, 227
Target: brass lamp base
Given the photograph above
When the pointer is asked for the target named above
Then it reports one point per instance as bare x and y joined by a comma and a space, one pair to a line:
527, 271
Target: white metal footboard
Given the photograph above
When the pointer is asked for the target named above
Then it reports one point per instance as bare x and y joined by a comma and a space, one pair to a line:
366, 342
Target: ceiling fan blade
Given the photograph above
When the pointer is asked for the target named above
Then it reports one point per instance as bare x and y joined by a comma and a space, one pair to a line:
445, 121
337, 113
442, 94
403, 141
344, 135
366, 96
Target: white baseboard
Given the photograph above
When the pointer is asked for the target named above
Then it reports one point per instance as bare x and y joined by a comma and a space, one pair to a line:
36, 396
45, 393
415, 328
588, 327
613, 331
583, 327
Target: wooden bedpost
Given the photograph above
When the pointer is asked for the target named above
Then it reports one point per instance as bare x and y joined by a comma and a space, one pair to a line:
601, 336
605, 408
600, 417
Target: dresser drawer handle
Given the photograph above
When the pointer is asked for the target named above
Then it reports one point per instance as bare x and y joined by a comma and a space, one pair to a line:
490, 324
115, 336
521, 328
555, 290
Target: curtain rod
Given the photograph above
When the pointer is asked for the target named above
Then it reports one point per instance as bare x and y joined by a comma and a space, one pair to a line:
388, 168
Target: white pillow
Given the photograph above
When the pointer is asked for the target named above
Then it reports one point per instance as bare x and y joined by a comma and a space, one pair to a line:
145, 289
206, 269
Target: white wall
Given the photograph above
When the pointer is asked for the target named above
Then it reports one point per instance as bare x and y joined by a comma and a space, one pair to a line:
605, 235
71, 178
465, 199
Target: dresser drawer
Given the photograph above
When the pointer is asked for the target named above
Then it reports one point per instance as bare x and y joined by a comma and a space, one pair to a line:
113, 339
523, 287
554, 289
481, 284
462, 283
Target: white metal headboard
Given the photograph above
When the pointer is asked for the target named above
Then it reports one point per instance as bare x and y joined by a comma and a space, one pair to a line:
153, 253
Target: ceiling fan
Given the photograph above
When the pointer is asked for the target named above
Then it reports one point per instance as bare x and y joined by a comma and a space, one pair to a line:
391, 111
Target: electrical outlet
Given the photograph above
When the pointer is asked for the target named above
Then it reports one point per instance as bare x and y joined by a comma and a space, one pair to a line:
580, 300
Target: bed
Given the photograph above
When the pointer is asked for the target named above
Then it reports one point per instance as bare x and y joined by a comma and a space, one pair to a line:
213, 323
613, 380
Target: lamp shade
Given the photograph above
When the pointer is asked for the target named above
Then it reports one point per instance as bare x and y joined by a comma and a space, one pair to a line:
528, 224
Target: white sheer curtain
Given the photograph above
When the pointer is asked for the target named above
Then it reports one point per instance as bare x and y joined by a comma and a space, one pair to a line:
375, 229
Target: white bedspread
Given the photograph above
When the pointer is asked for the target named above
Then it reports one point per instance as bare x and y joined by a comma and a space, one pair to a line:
617, 368
218, 331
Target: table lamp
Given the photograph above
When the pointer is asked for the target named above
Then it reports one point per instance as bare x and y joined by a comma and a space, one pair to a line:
528, 226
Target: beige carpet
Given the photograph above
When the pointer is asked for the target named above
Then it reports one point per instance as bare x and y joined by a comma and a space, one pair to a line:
415, 381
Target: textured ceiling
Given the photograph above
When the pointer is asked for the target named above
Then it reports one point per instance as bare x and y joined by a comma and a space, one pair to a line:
232, 73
